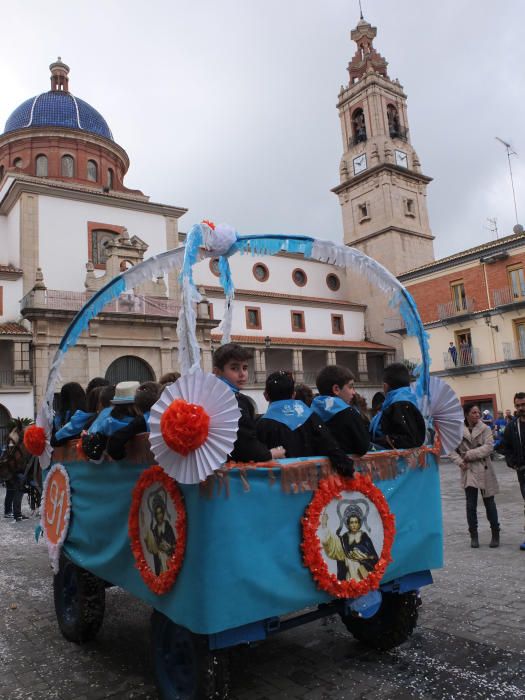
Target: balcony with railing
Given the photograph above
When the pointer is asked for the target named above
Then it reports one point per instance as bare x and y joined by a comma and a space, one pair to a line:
513, 351
463, 357
508, 295
455, 308
394, 324
126, 303
15, 378
398, 132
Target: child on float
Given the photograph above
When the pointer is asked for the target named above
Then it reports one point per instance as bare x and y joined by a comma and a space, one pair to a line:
292, 424
146, 395
104, 408
230, 365
72, 399
79, 421
335, 384
399, 424
121, 412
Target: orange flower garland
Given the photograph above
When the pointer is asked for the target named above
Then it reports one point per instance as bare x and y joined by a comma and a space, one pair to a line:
184, 426
164, 581
328, 490
35, 440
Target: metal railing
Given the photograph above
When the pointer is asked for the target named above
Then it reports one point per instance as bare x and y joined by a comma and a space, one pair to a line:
354, 140
463, 357
507, 295
456, 308
513, 351
398, 132
11, 377
127, 303
394, 324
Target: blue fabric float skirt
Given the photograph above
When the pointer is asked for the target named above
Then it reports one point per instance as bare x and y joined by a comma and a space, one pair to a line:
243, 558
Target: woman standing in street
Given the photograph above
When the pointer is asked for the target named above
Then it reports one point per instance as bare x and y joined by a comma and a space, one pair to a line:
473, 458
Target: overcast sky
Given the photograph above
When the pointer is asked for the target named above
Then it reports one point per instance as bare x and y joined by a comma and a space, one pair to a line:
227, 107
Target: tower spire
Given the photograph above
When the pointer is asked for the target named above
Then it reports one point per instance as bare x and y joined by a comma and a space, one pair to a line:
360, 11
366, 59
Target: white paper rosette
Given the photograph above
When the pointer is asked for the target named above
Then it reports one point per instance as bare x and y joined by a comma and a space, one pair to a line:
219, 402
218, 241
447, 414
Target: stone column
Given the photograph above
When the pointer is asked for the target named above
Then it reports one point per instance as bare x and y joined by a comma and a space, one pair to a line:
172, 241
260, 366
362, 366
165, 361
93, 362
28, 238
297, 365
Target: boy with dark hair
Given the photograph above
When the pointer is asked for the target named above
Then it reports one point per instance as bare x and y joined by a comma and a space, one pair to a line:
399, 424
292, 424
333, 406
230, 364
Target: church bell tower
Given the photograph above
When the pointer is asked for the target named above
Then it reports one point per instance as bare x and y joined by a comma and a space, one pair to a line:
382, 190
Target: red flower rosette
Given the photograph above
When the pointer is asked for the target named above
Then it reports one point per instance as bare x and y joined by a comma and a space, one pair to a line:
35, 440
154, 480
184, 426
331, 489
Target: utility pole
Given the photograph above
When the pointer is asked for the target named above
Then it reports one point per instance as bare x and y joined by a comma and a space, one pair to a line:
510, 152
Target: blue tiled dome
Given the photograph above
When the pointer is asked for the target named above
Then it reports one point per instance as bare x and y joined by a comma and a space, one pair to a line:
58, 108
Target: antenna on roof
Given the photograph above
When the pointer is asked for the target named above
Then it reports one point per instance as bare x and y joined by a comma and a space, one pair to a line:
510, 152
493, 226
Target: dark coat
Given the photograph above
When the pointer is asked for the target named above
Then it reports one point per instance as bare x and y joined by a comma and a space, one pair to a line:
402, 425
247, 447
311, 438
350, 431
116, 445
511, 446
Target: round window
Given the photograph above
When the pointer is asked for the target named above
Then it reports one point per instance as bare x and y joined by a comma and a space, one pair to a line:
333, 282
260, 272
214, 266
299, 277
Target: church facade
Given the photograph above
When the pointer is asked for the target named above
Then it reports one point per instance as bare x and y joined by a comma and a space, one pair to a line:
68, 224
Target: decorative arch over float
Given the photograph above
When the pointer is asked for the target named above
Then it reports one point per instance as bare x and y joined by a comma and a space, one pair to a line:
205, 241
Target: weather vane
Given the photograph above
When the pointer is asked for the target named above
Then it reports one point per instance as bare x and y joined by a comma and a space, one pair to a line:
360, 10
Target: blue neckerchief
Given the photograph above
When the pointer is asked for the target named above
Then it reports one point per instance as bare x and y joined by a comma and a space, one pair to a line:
404, 393
74, 426
113, 424
289, 412
327, 407
100, 420
146, 420
57, 420
232, 386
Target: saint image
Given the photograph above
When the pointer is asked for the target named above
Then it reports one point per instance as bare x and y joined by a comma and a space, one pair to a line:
159, 537
354, 550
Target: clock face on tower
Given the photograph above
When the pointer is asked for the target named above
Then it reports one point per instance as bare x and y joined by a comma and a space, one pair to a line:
401, 158
359, 164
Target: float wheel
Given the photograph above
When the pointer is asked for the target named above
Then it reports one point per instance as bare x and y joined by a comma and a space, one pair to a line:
79, 601
392, 625
185, 668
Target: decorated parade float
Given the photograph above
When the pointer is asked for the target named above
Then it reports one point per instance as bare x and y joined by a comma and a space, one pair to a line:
229, 553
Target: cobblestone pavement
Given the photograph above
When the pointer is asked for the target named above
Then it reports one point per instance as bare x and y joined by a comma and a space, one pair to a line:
469, 643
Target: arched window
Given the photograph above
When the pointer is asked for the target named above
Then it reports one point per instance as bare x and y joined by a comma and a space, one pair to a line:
92, 171
393, 121
110, 179
358, 126
17, 162
5, 417
129, 368
67, 166
41, 166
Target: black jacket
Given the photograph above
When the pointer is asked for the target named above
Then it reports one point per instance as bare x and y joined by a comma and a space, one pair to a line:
247, 447
350, 431
403, 426
116, 444
511, 446
311, 438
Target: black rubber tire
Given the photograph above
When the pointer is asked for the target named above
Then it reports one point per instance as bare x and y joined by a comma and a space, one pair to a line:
80, 600
392, 625
185, 668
